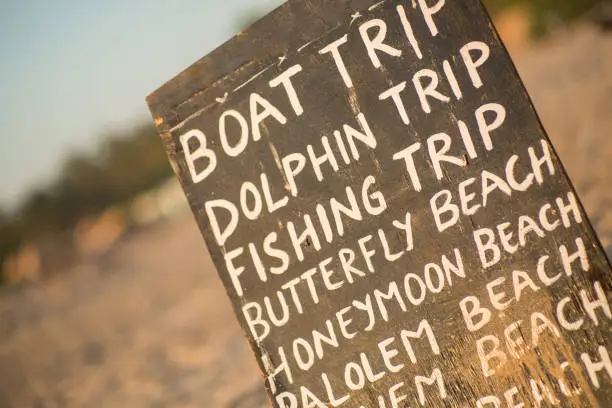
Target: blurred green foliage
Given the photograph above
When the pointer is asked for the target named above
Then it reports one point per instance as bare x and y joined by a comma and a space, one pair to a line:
123, 166
545, 13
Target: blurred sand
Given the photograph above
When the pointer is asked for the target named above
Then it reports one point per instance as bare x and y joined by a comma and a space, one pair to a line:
150, 325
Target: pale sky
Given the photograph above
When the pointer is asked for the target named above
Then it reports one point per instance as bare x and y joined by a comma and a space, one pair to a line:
74, 70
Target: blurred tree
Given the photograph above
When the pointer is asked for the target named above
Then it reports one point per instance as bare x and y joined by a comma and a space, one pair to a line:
125, 165
4, 247
10, 239
546, 13
40, 213
133, 163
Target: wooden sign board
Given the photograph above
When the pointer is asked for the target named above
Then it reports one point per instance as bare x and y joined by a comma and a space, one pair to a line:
387, 214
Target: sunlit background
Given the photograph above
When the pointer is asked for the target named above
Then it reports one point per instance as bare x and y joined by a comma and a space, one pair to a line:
107, 295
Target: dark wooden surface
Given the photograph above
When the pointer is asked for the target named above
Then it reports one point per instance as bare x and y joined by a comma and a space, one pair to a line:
199, 96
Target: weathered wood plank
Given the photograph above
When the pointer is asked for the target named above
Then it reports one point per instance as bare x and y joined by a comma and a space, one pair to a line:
386, 212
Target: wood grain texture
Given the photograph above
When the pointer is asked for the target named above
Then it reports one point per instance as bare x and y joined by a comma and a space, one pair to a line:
540, 327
